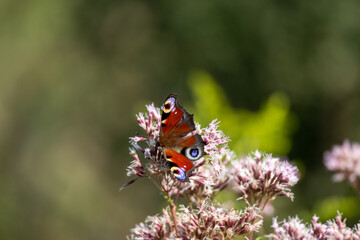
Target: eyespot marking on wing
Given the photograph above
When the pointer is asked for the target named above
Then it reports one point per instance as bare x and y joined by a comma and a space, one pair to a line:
194, 153
169, 105
178, 173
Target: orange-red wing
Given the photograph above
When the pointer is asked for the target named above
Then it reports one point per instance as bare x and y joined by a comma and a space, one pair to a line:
179, 160
186, 141
175, 137
175, 120
181, 129
170, 120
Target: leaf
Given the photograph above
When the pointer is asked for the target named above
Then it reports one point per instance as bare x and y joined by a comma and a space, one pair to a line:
269, 129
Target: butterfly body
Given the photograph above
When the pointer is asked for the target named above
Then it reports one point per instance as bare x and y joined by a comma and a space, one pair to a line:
180, 145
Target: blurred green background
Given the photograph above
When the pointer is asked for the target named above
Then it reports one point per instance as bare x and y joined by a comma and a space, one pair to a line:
282, 76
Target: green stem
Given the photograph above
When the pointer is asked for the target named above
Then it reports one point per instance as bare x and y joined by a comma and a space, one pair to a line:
170, 201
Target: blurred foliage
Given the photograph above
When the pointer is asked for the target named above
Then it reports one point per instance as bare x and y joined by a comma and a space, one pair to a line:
348, 206
268, 130
74, 73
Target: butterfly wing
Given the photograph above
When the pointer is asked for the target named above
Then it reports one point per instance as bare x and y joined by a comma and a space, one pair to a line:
175, 120
180, 145
180, 165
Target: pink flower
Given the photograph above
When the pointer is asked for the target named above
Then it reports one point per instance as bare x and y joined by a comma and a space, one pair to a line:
156, 164
344, 159
155, 227
215, 139
150, 121
337, 229
135, 166
207, 222
206, 181
293, 228
263, 177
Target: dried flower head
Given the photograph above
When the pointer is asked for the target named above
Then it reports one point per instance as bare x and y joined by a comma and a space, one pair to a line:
260, 177
293, 228
206, 222
344, 159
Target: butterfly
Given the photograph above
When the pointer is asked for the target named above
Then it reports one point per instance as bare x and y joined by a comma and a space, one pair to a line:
179, 145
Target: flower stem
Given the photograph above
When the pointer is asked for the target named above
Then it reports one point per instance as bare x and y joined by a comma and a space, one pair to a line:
177, 196
251, 235
173, 214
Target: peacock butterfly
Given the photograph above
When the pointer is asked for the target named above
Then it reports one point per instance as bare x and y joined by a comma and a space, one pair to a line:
180, 146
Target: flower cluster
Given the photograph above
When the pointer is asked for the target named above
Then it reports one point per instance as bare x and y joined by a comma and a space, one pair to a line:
150, 122
215, 149
295, 229
215, 139
207, 222
214, 222
257, 178
260, 177
208, 180
345, 159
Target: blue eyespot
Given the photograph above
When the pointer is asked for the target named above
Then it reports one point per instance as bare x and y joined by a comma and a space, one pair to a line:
194, 152
179, 173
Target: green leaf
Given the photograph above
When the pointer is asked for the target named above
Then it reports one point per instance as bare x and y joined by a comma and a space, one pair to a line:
269, 129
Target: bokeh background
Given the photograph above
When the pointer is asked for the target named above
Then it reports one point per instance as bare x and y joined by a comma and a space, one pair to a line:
281, 76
